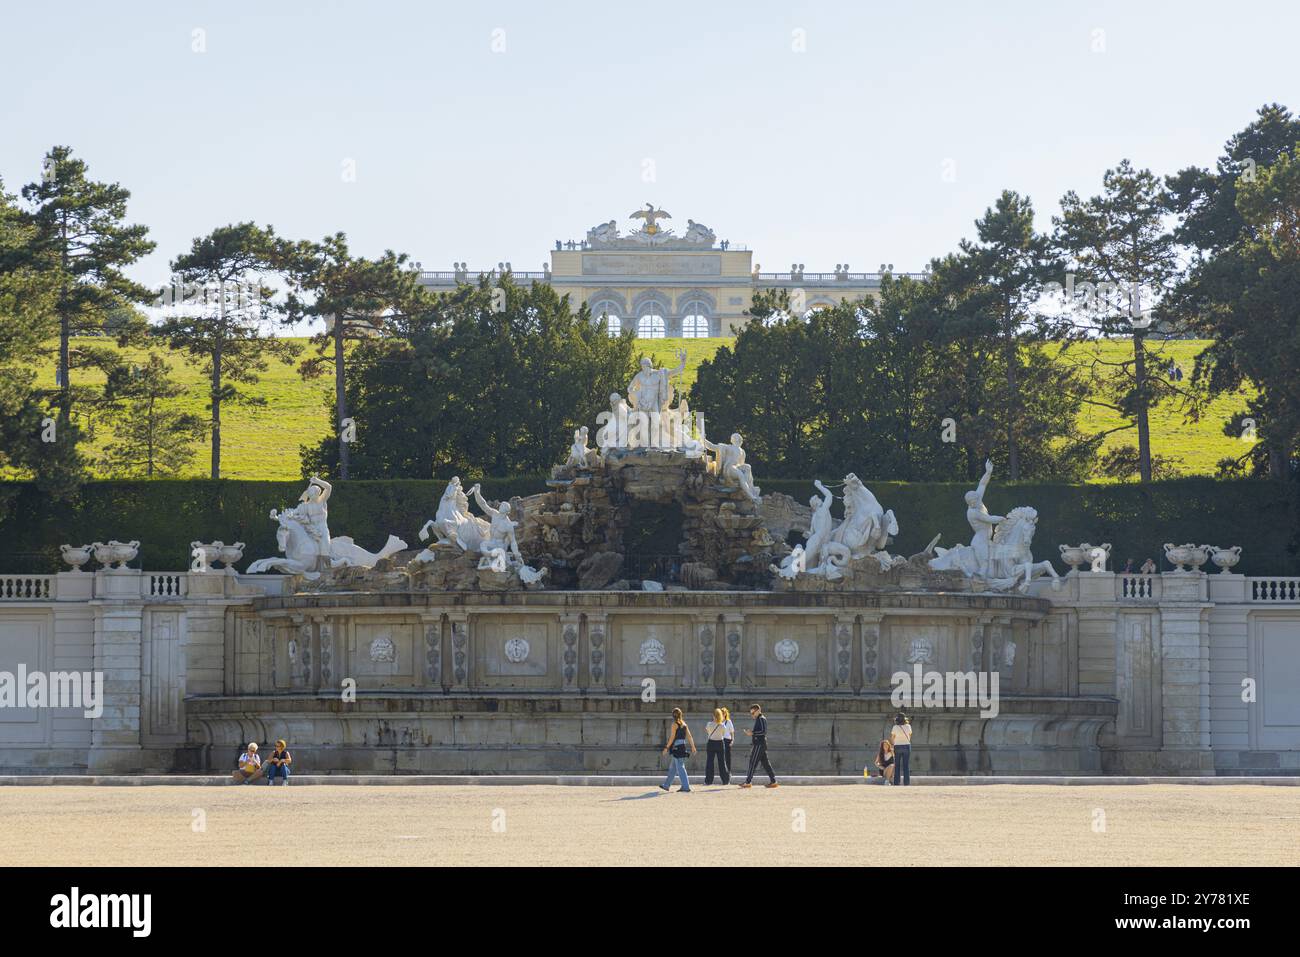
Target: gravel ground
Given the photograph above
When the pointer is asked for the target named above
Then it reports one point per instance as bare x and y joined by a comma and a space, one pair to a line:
544, 825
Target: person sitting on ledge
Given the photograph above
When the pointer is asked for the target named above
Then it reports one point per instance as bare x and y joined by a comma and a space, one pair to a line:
250, 765
277, 765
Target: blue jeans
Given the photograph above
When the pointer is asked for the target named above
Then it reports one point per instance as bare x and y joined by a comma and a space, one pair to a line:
902, 764
677, 768
277, 769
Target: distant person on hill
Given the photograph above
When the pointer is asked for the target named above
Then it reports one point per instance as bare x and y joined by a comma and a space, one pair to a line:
758, 754
715, 748
680, 746
277, 765
885, 761
728, 737
250, 765
1149, 567
900, 736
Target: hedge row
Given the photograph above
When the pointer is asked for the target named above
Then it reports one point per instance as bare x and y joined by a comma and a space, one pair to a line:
1263, 517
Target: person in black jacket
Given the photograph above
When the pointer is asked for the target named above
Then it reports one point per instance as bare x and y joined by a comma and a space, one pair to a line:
758, 755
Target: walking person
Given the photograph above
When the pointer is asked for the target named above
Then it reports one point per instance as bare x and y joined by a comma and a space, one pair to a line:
727, 738
900, 736
758, 754
715, 748
679, 741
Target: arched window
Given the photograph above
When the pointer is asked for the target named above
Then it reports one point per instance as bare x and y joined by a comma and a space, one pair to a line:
607, 312
695, 321
650, 326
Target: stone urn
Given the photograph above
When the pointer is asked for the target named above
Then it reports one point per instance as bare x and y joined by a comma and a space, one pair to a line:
1182, 556
205, 556
1099, 555
230, 554
76, 555
124, 552
1225, 558
1075, 555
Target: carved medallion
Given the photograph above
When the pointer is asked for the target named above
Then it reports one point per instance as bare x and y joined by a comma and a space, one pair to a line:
517, 650
920, 651
786, 650
383, 649
653, 652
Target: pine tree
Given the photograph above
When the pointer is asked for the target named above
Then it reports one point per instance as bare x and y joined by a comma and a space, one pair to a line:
153, 438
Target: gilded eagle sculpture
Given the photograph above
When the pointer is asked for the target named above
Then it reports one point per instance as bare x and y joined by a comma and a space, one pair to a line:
651, 215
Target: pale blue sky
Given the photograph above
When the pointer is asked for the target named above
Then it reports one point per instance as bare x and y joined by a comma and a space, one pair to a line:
836, 154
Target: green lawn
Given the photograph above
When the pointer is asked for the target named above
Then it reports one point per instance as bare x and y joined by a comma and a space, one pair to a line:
263, 442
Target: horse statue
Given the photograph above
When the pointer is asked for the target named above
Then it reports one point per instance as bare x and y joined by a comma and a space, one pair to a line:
1011, 562
865, 531
309, 549
453, 522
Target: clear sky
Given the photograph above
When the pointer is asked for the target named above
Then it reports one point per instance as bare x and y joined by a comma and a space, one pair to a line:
818, 133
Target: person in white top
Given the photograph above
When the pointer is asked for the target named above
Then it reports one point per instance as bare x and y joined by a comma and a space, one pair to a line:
728, 737
716, 748
900, 736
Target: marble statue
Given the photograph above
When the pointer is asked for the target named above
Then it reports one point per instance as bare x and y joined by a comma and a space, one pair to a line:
999, 551
698, 233
603, 234
501, 530
821, 524
304, 538
494, 558
578, 451
651, 388
793, 565
453, 522
865, 530
972, 559
731, 465
1011, 562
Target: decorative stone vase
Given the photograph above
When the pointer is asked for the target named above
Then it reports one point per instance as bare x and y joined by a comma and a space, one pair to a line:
1098, 555
1225, 558
1181, 556
76, 555
124, 552
1074, 555
230, 554
103, 553
205, 556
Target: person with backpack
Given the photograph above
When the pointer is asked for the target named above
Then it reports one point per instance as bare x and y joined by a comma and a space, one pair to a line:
680, 746
758, 755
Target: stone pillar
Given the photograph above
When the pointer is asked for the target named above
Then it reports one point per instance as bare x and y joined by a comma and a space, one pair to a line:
871, 622
115, 745
1184, 688
980, 634
598, 652
431, 674
733, 630
329, 632
461, 670
569, 628
841, 657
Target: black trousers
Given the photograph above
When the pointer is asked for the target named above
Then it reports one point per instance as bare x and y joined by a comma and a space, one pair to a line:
757, 756
902, 764
726, 754
716, 751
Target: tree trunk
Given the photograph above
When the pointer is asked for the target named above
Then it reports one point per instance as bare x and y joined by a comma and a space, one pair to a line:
65, 334
216, 384
340, 397
1013, 401
1143, 425
1277, 461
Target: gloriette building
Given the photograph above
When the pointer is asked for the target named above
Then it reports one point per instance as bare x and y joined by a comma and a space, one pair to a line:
659, 283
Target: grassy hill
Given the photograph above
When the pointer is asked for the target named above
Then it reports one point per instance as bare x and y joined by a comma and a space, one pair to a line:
263, 442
